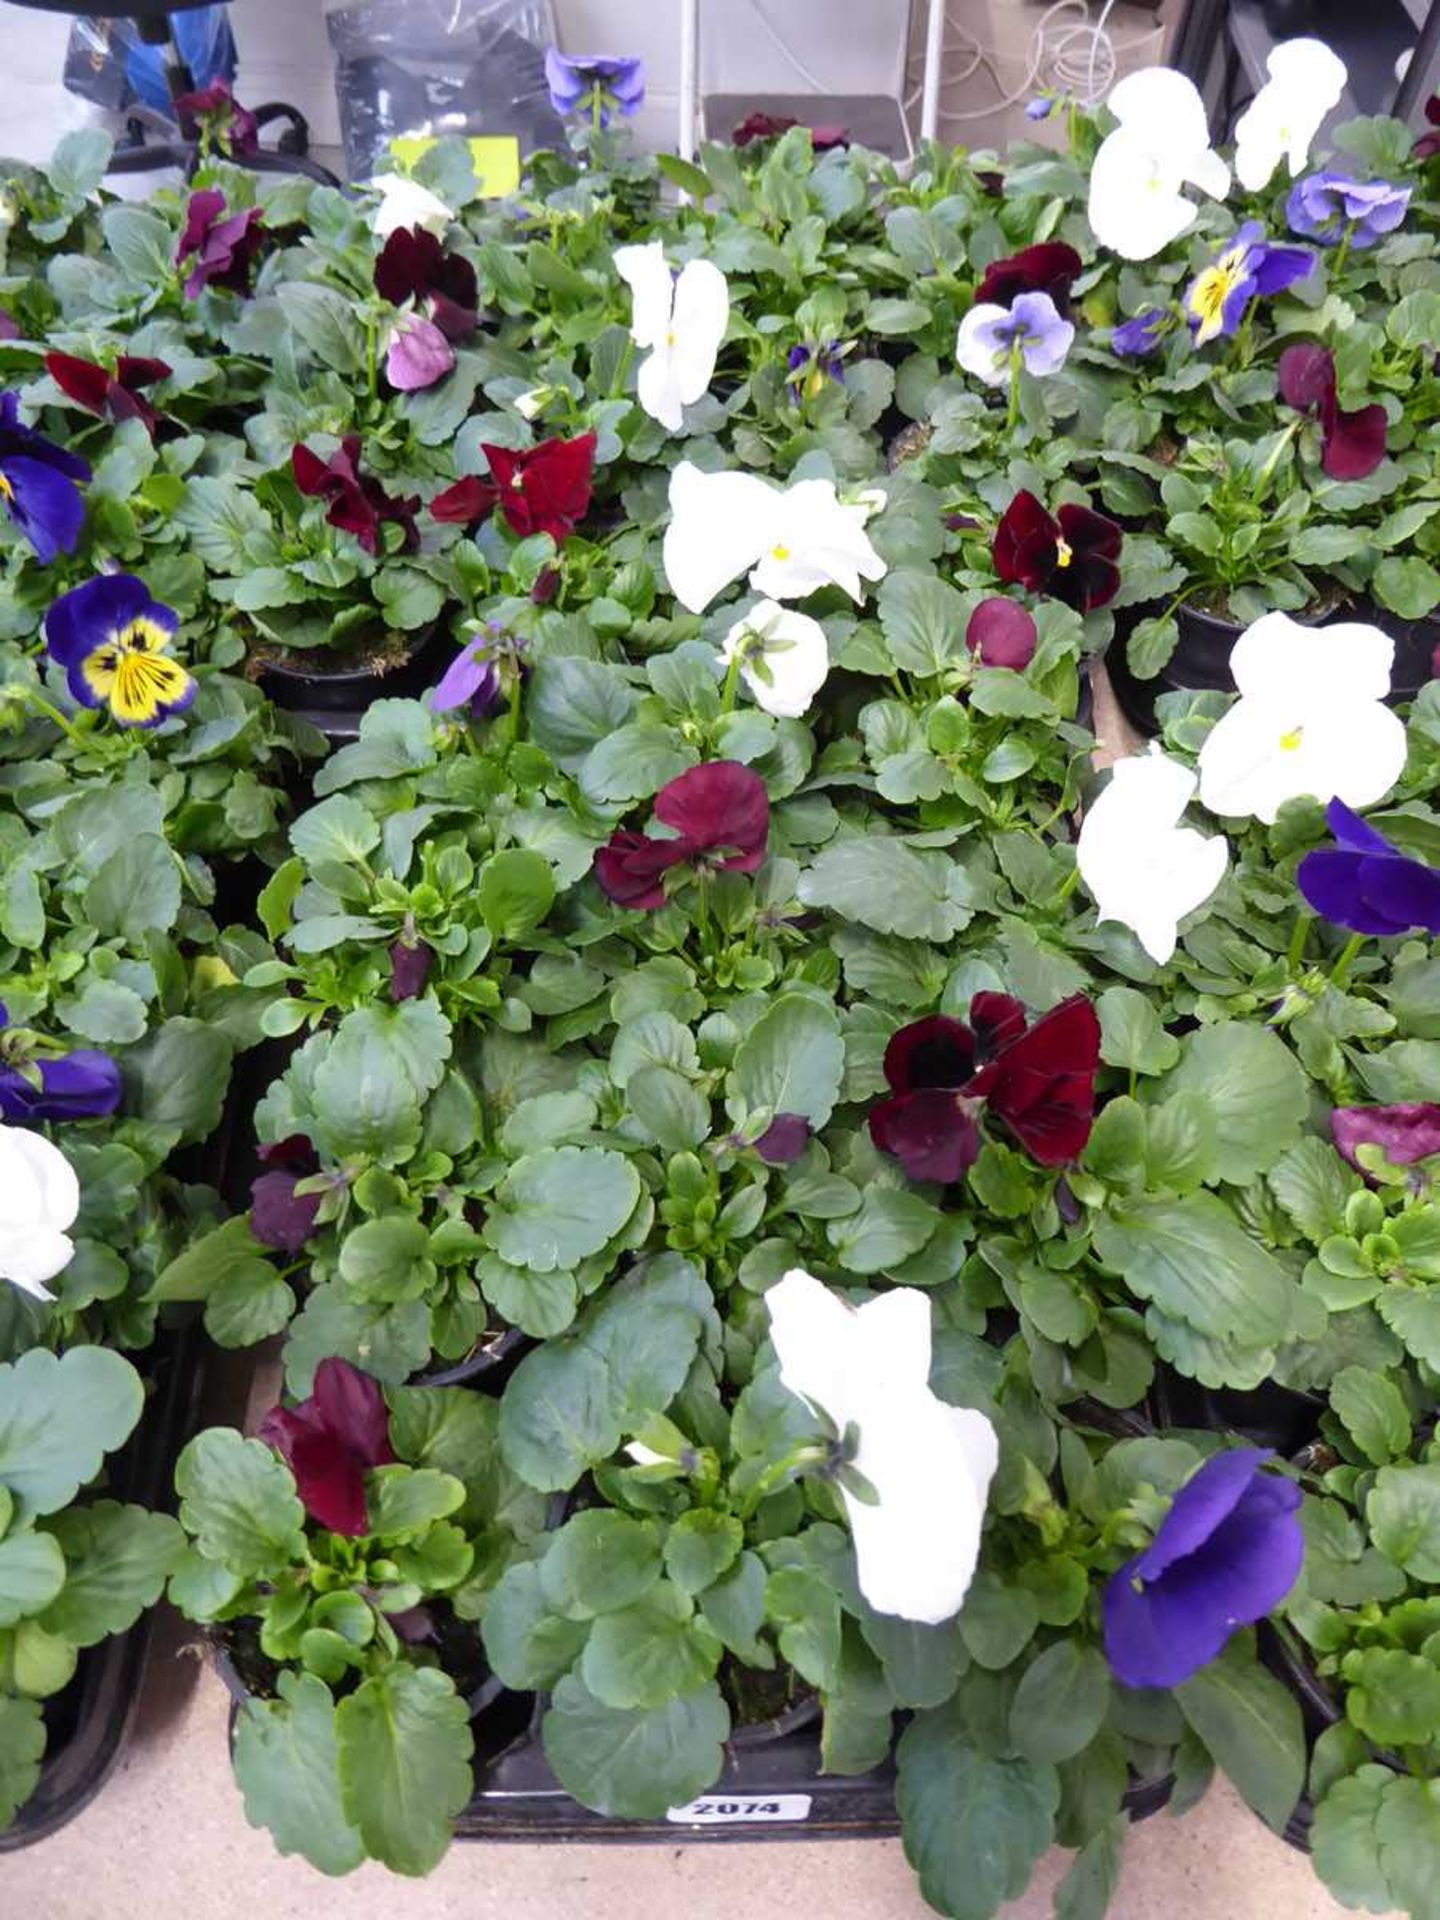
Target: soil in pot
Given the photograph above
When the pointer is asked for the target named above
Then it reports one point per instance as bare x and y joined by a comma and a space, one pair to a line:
250, 1673
765, 1706
332, 687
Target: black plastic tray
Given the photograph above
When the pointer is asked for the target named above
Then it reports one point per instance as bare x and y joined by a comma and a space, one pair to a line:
88, 1721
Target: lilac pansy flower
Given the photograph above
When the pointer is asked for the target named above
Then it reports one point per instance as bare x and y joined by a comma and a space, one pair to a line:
1365, 884
579, 82
1328, 207
1224, 1556
1143, 334
1032, 328
1216, 299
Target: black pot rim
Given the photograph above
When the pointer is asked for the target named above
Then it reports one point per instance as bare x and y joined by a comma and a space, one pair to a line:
477, 1700
477, 1363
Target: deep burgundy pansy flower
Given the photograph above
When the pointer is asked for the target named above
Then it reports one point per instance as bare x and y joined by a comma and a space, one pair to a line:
784, 1140
719, 815
280, 1217
410, 962
1000, 633
330, 1442
769, 126
221, 246
1072, 556
1049, 267
415, 265
358, 502
1365, 884
545, 489
1404, 1133
1039, 1081
1226, 1554
234, 128
1351, 444
114, 396
83, 1085
1429, 143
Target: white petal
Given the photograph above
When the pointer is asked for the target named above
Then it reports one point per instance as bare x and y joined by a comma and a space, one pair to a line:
658, 388
653, 288
1163, 102
810, 1331
702, 312
1141, 868
1136, 207
405, 203
814, 540
644, 1456
37, 1183
1306, 81
1360, 751
31, 1257
795, 654
719, 525
974, 353
1207, 171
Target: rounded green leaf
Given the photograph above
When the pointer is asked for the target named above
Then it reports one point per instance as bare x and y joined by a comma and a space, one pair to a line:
557, 1207
516, 891
528, 1644
286, 1766
238, 1502
59, 1417
117, 1560
598, 1562
1061, 1702
404, 1744
1404, 1515
648, 1653
635, 1763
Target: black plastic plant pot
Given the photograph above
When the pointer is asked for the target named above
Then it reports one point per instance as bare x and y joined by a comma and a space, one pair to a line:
1283, 1418
1319, 1710
490, 1362
87, 1723
1416, 645
332, 692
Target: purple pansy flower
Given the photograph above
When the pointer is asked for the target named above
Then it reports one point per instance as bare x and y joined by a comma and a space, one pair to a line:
1042, 108
1144, 334
1404, 1133
472, 681
1000, 633
810, 367
1328, 206
1216, 299
281, 1218
1226, 1553
113, 641
38, 484
222, 246
1365, 884
1031, 326
409, 968
784, 1140
578, 81
83, 1085
417, 354
331, 1441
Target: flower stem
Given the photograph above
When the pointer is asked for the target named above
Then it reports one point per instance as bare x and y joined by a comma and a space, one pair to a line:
1281, 444
1298, 934
517, 713
1342, 252
1012, 411
43, 706
1340, 971
732, 681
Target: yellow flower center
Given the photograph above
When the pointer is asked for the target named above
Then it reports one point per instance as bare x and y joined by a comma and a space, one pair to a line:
670, 338
1290, 742
1064, 553
780, 553
7, 492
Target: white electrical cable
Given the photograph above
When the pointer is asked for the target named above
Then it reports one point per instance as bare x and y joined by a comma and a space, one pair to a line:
1078, 59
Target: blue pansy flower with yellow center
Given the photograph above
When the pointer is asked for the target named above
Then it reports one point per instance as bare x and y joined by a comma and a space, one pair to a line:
38, 484
112, 640
1216, 299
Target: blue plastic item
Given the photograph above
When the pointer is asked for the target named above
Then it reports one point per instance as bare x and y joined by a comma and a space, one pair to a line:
108, 62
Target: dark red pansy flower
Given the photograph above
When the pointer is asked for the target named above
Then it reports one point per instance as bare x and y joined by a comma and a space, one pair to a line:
719, 815
1039, 1081
1429, 143
414, 265
358, 502
1072, 556
330, 1442
280, 1217
1049, 267
235, 128
784, 1140
409, 969
1351, 444
545, 489
769, 126
220, 246
1000, 633
118, 395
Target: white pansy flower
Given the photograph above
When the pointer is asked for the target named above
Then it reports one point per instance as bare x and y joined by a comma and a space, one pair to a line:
532, 402
1306, 82
681, 321
1310, 720
644, 1456
1141, 866
929, 1464
1162, 143
405, 203
784, 658
795, 541
39, 1199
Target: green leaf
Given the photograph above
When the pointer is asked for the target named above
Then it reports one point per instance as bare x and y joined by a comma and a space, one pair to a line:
701, 1546
650, 1652
557, 1207
1415, 1319
137, 891
1404, 1516
806, 1608
1089, 1885
407, 598
1414, 321
527, 1643
1199, 1265
1345, 1842
1131, 1033
634, 1763
973, 1825
889, 1225
379, 1065
238, 1501
227, 1251
1312, 1183
599, 1562
923, 619
287, 1768
401, 1499
573, 704
336, 829
1393, 1697
1408, 586
404, 1744
22, 1745
1408, 1830
1373, 1411
178, 1078
890, 887
32, 1572
106, 1012
117, 1560
387, 1259
78, 164
1253, 1086
516, 891
227, 527
792, 1060
674, 1114
559, 1415
997, 1621
58, 1420
1251, 1725
325, 323
1061, 1702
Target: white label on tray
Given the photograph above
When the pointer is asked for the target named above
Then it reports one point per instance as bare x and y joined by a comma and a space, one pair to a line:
717, 1810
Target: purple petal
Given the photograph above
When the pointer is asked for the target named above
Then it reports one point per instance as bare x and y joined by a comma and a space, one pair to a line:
470, 680
1210, 1495
280, 1217
409, 969
1279, 267
44, 504
352, 1406
89, 615
1001, 633
418, 355
784, 1140
1404, 1133
930, 1133
1354, 833
1333, 883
